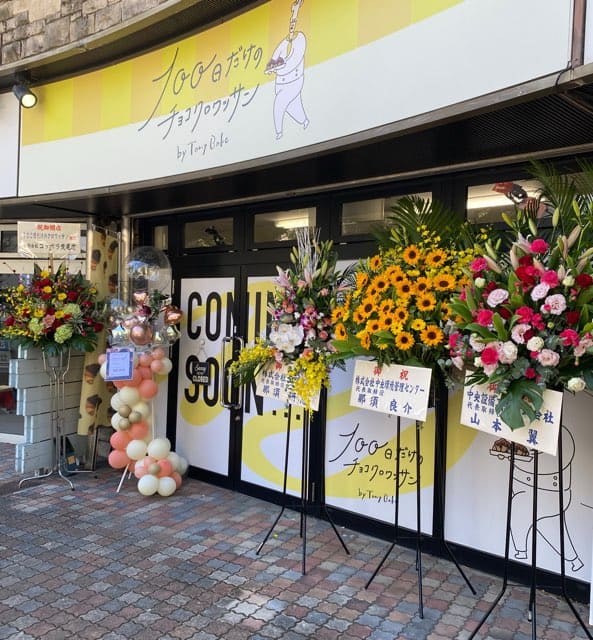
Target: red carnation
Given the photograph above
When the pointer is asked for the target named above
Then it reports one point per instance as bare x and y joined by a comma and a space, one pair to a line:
489, 356
539, 246
572, 317
584, 280
9, 322
72, 295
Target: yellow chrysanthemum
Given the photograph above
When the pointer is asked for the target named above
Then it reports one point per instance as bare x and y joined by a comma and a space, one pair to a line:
432, 336
61, 296
404, 341
426, 302
444, 282
411, 255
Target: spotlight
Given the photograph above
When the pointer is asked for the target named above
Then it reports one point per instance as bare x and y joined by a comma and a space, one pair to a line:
25, 96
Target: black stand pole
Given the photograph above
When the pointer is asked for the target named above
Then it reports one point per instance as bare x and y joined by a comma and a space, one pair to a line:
532, 611
304, 489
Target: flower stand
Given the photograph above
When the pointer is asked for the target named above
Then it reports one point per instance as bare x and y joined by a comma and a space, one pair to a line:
532, 608
304, 501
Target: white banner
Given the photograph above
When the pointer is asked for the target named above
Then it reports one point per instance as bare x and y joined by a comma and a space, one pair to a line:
396, 389
48, 239
477, 412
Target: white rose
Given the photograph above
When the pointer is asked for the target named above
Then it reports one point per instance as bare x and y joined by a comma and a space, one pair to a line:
575, 384
568, 281
535, 344
480, 283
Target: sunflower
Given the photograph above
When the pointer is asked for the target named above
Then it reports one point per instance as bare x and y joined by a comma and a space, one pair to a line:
422, 285
411, 255
445, 311
426, 302
380, 282
435, 258
386, 307
372, 326
396, 274
417, 324
362, 280
386, 321
357, 316
432, 336
404, 288
401, 314
375, 263
365, 339
340, 331
339, 314
367, 307
444, 282
404, 341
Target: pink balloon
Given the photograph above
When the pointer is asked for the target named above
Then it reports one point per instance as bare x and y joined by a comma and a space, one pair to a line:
119, 440
166, 468
177, 478
118, 459
139, 430
145, 359
148, 389
145, 372
158, 353
120, 383
147, 461
139, 469
156, 366
102, 358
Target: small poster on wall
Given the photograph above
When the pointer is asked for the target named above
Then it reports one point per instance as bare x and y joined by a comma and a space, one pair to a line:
46, 239
396, 389
478, 412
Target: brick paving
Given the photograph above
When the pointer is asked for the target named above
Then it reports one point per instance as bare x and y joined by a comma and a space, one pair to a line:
92, 563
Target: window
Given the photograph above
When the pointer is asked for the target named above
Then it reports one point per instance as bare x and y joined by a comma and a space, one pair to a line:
281, 226
202, 234
487, 202
360, 216
161, 237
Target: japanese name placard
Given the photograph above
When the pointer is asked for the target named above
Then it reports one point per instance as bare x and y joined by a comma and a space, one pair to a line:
395, 389
478, 412
274, 383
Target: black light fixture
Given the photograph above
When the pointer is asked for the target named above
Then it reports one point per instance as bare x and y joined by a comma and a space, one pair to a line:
24, 95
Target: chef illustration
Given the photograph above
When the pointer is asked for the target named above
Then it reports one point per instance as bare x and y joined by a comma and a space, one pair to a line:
549, 520
288, 63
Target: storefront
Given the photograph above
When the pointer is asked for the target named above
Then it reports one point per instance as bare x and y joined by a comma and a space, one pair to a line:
215, 147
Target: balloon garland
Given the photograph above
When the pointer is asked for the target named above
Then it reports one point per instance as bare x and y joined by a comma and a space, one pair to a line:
148, 326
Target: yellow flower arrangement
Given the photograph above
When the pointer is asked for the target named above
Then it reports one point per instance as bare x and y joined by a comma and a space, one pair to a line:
399, 309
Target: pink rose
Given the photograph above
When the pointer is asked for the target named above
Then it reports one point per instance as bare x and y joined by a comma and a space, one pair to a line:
496, 297
548, 358
555, 304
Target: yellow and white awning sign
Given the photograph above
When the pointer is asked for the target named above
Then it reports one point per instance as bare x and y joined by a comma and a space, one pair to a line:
282, 76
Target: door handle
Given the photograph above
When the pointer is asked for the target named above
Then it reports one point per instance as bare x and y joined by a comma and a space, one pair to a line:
226, 379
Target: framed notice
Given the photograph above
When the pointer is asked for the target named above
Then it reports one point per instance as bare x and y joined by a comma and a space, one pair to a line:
48, 239
478, 412
119, 364
396, 389
274, 383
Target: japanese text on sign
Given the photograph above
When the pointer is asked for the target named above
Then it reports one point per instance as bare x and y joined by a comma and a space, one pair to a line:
478, 412
48, 239
397, 390
275, 383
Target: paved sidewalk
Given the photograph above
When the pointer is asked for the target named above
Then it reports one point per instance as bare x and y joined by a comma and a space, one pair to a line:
92, 563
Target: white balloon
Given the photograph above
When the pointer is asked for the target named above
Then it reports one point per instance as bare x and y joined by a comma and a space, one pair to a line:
159, 448
182, 466
143, 408
167, 366
148, 485
167, 486
174, 460
129, 395
115, 418
136, 449
103, 370
116, 401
